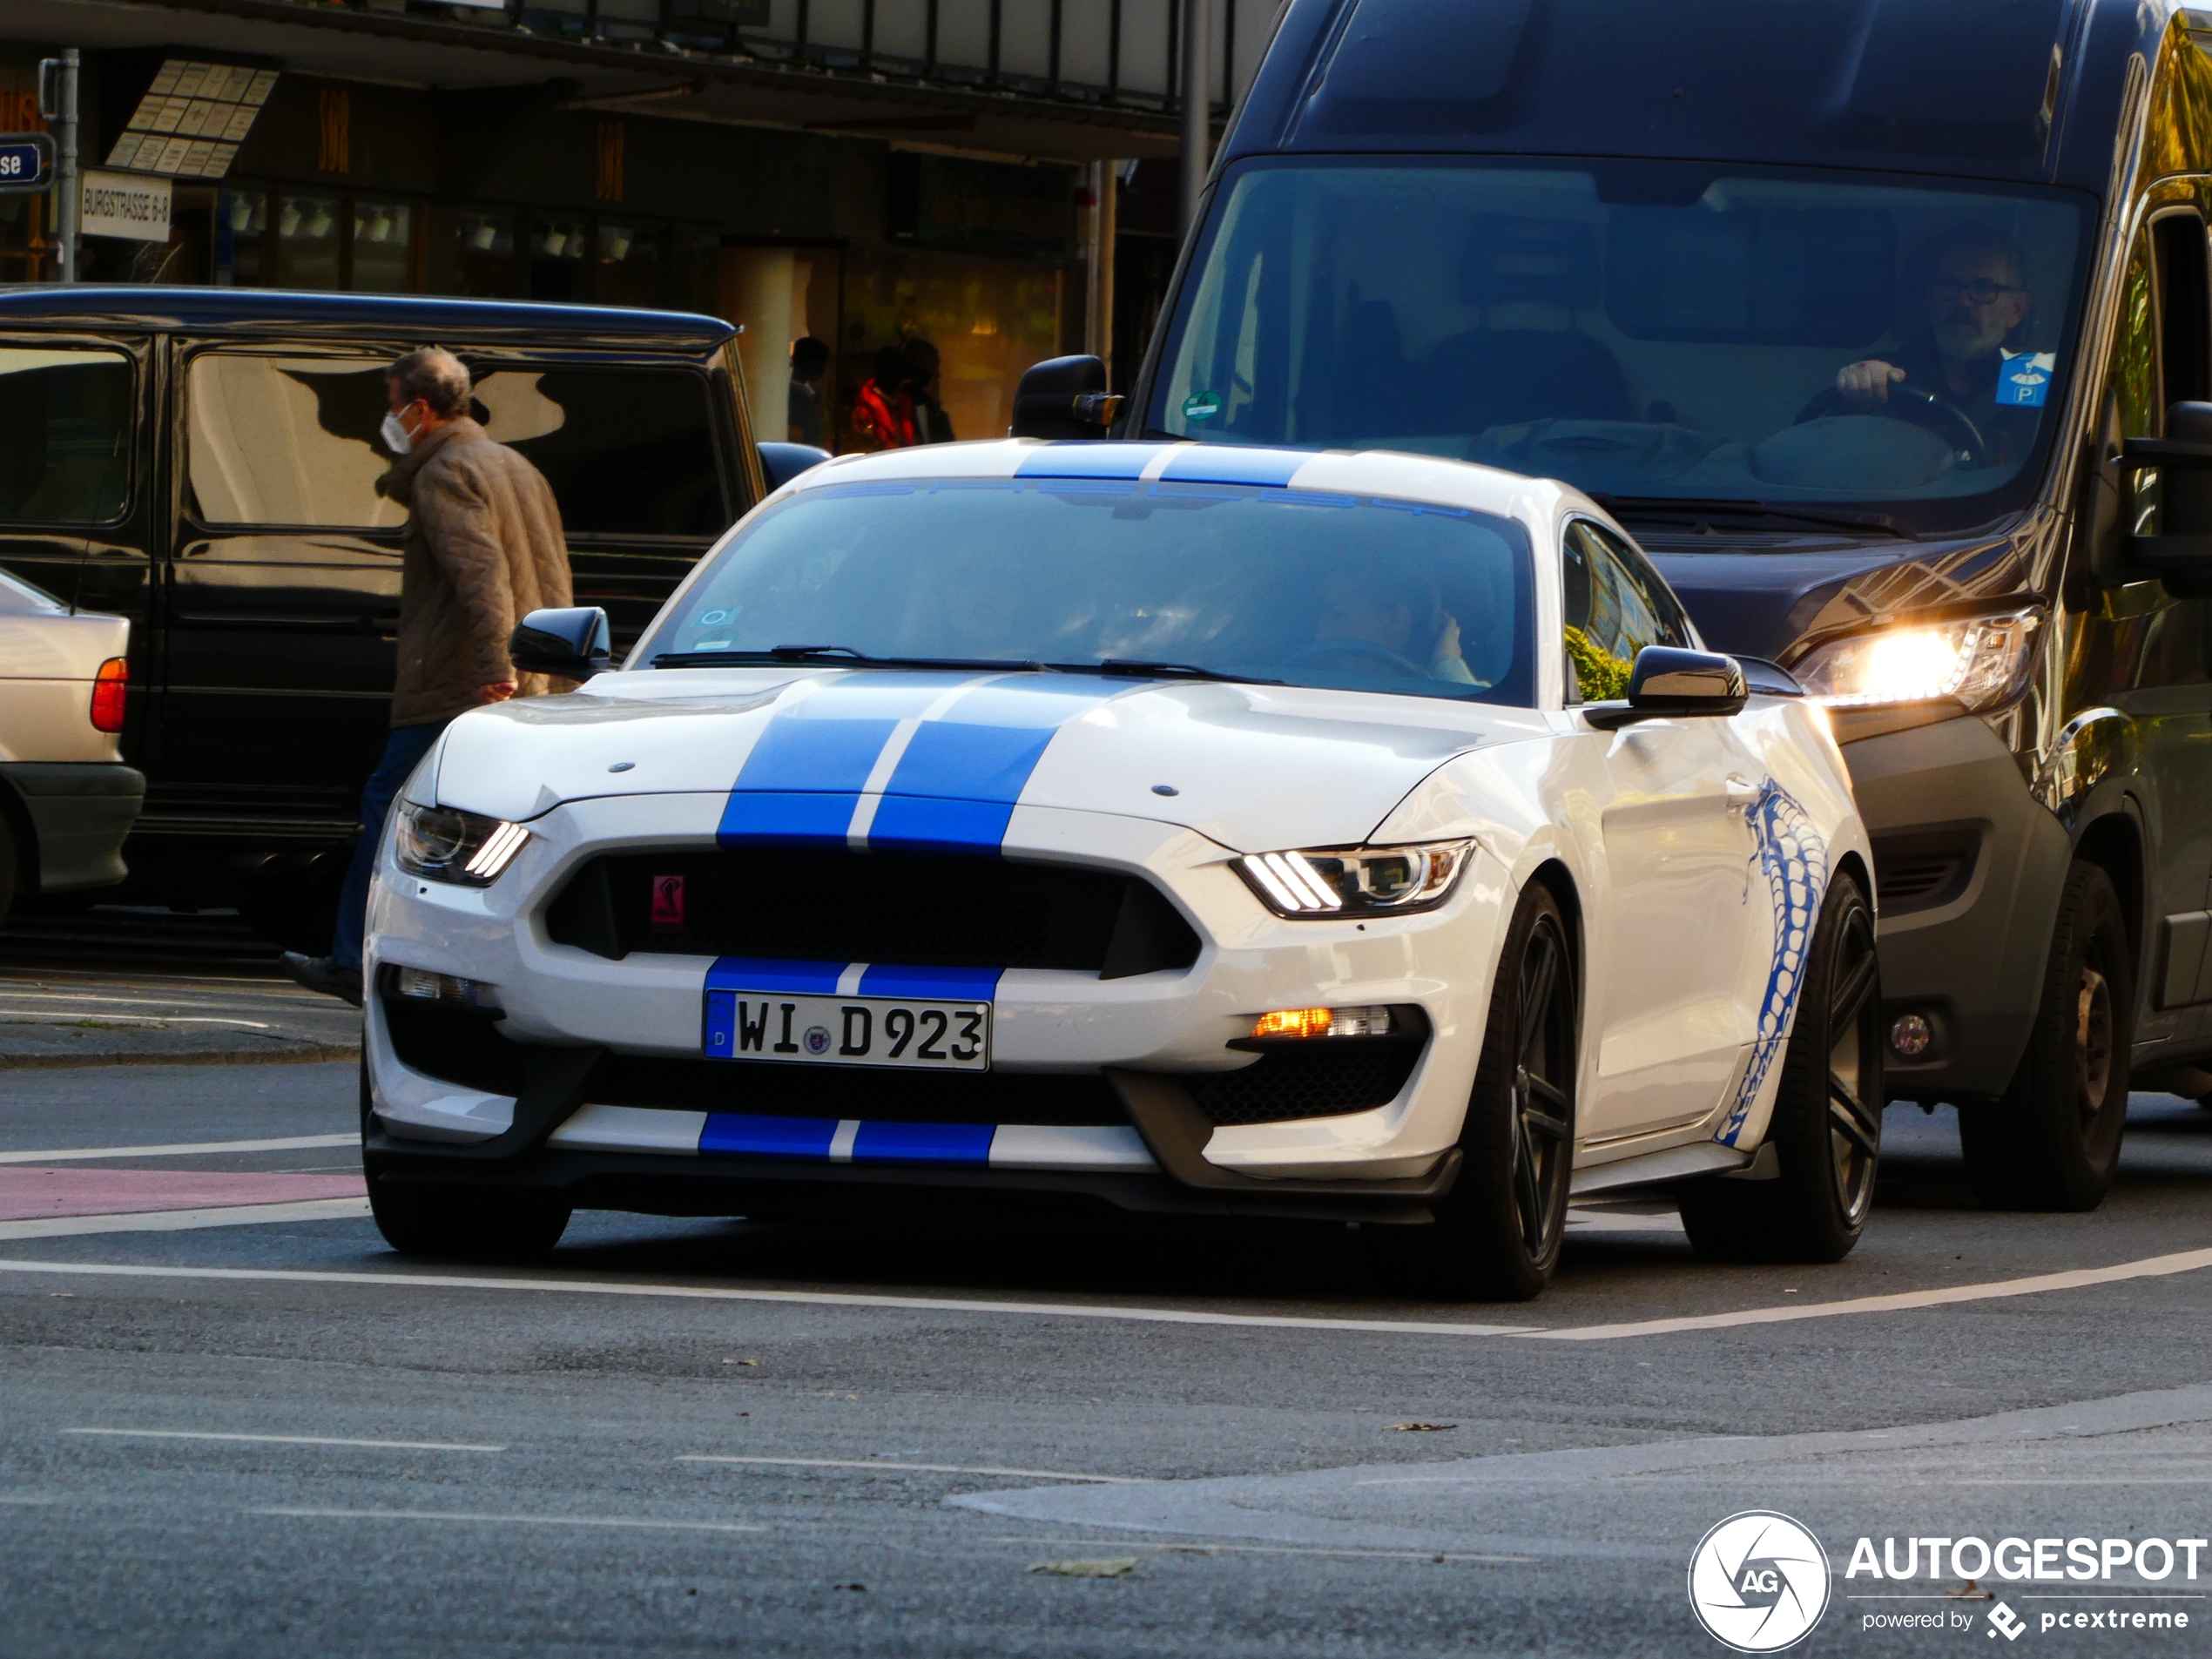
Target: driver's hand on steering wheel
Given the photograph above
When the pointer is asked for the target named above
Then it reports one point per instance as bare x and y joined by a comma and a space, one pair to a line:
1445, 662
1868, 382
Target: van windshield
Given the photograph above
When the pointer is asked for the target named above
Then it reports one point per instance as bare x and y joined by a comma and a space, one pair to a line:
1649, 332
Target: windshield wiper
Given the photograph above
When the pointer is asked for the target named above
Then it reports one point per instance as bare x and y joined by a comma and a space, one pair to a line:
1136, 668
1699, 507
833, 655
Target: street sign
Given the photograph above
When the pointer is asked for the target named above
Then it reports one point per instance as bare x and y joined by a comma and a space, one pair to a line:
26, 163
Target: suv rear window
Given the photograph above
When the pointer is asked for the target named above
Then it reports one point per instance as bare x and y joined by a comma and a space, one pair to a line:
627, 451
64, 434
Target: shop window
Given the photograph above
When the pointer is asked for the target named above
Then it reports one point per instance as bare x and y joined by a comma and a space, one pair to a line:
309, 242
384, 247
286, 441
559, 249
630, 264
26, 245
474, 254
64, 435
629, 452
245, 252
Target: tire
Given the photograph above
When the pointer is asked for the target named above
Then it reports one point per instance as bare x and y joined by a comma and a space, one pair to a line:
463, 1221
1826, 1130
2053, 1140
1499, 1233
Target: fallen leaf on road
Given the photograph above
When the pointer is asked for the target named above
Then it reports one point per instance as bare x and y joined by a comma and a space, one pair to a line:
1423, 1428
1113, 1566
849, 1586
740, 1362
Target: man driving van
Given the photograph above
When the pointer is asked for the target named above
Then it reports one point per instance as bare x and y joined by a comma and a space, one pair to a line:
1977, 301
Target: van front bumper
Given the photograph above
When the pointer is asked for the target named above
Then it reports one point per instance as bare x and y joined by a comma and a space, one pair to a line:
1965, 948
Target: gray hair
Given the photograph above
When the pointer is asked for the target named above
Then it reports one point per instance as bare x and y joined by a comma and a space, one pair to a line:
435, 377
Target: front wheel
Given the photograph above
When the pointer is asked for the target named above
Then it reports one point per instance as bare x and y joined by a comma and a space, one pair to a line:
1826, 1130
466, 1222
1499, 1235
2052, 1140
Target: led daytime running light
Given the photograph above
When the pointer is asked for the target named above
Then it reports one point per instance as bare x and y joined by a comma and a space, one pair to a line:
1356, 881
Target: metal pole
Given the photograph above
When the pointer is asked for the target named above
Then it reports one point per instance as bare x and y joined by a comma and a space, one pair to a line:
1197, 111
65, 166
1109, 184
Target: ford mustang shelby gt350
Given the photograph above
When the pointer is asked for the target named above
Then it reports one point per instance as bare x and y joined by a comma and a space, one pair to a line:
1194, 828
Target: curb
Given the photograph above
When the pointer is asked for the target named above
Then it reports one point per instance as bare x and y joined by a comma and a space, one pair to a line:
307, 1053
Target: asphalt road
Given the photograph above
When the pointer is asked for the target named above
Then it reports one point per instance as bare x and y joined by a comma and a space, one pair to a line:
231, 1421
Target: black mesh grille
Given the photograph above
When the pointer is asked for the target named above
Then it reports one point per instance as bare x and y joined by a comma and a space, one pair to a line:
455, 1046
1922, 869
1326, 1078
835, 907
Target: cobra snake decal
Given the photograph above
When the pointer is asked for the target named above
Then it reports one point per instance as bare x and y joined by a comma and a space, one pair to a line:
1794, 859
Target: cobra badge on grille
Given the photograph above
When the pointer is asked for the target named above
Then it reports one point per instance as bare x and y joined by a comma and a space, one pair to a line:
668, 904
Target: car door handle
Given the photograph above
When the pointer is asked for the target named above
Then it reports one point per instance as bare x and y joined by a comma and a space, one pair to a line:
1741, 792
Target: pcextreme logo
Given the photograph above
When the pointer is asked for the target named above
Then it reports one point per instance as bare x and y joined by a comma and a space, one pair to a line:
1759, 1582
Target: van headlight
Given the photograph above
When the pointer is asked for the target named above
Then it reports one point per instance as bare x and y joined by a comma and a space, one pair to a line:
1356, 881
444, 844
1982, 661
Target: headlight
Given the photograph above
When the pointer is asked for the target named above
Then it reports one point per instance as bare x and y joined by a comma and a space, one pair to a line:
443, 844
1982, 661
1356, 881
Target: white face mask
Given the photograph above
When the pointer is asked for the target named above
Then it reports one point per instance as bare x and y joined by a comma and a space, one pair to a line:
395, 436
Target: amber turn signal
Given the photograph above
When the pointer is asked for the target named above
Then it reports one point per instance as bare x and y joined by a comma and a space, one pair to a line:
1295, 1022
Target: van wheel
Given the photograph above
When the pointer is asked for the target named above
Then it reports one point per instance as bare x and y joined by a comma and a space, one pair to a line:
1498, 1235
1827, 1127
2053, 1140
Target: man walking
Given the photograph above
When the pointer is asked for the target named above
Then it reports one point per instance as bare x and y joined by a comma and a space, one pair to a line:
483, 549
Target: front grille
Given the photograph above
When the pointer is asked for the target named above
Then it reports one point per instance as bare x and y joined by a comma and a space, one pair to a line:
1324, 1078
804, 905
465, 1048
1925, 869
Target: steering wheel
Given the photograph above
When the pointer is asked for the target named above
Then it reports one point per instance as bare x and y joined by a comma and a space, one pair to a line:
1915, 407
1325, 649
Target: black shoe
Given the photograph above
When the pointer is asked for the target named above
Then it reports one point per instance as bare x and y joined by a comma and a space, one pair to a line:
321, 973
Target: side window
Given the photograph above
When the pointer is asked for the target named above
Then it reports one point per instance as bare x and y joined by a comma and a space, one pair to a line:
627, 451
286, 441
1615, 605
64, 435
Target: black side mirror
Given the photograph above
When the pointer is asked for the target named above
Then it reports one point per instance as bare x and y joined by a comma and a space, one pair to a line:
572, 644
784, 461
1064, 397
1666, 681
2181, 554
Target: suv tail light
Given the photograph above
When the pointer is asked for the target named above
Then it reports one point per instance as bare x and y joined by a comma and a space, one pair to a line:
110, 687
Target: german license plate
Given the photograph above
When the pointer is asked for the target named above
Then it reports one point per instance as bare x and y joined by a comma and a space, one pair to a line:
895, 1032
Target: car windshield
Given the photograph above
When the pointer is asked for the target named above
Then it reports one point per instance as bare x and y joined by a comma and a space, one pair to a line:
1350, 592
1893, 350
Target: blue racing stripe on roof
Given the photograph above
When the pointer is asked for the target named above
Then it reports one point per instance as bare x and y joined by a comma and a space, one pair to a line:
931, 984
741, 1135
923, 1143
1084, 459
1223, 463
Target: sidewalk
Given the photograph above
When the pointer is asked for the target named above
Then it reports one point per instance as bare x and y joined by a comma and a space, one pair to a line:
53, 1017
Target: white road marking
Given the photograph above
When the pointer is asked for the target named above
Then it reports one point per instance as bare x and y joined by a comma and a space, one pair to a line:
721, 1294
926, 1468
280, 1439
9, 1016
1349, 1551
178, 1148
515, 1520
164, 1221
2188, 1261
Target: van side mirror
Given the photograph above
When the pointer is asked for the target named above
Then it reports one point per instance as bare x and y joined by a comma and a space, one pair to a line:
781, 463
573, 643
2181, 554
1064, 397
1666, 681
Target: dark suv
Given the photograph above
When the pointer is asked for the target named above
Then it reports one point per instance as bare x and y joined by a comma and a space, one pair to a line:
203, 462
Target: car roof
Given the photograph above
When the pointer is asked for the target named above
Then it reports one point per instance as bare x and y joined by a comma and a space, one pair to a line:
1366, 472
263, 310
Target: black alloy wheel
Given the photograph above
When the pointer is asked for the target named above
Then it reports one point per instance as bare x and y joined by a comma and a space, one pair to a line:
1499, 1234
1826, 1130
2052, 1141
461, 1221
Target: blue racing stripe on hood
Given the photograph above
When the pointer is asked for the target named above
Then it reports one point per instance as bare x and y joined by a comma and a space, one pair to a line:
956, 787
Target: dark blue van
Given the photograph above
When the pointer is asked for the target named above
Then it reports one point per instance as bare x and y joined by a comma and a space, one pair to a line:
1885, 326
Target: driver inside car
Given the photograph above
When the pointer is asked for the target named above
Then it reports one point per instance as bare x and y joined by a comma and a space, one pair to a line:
1977, 305
1359, 610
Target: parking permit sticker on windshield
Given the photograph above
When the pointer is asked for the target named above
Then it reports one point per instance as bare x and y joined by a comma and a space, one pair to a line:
2025, 381
1202, 406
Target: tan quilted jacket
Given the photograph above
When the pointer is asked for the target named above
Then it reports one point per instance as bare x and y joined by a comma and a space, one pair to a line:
484, 549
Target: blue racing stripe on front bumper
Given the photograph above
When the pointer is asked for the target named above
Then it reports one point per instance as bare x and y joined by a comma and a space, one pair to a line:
923, 1143
738, 1135
932, 984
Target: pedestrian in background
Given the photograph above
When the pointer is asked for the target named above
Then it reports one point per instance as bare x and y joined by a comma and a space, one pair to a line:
483, 547
809, 359
932, 424
883, 416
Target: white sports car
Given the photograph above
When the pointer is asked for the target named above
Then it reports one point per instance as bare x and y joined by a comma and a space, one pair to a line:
1193, 828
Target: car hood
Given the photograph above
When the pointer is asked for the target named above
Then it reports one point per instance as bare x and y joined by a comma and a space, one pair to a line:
1251, 766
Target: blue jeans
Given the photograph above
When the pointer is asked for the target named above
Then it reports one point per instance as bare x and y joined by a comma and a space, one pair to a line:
402, 751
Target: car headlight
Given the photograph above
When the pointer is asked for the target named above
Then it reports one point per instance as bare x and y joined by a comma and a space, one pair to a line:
444, 844
1356, 881
1982, 661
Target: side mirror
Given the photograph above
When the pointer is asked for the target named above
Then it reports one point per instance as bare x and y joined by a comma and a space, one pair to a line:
1064, 397
2181, 554
572, 644
1666, 681
784, 461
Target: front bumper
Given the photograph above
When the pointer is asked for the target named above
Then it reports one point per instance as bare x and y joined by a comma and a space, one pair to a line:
79, 813
579, 1106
